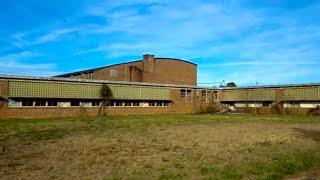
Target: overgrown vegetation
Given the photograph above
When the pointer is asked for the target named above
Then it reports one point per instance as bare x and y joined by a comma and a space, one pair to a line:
277, 108
314, 111
105, 94
160, 147
210, 108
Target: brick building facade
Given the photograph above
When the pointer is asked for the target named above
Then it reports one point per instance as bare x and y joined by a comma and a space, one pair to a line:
138, 89
23, 97
148, 70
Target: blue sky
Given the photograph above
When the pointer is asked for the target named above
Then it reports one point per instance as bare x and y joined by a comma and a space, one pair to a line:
269, 42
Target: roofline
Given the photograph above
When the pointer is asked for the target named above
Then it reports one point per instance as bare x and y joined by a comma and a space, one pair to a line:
94, 69
272, 86
2, 76
102, 67
99, 81
175, 59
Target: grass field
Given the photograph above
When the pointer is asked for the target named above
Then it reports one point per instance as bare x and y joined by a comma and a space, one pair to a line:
161, 147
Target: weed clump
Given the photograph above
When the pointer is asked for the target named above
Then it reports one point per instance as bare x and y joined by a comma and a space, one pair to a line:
210, 108
277, 108
314, 111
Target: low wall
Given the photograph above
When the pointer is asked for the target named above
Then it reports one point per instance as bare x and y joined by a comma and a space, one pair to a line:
48, 112
269, 110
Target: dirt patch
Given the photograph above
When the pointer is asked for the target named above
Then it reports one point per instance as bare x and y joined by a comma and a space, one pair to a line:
154, 150
310, 175
309, 133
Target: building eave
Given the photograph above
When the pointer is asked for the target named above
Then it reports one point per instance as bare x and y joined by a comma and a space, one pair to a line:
61, 79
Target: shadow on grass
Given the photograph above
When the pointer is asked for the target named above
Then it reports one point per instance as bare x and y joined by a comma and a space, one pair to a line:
309, 133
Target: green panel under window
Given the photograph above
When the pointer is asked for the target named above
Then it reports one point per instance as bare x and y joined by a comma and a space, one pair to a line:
309, 94
249, 95
42, 89
261, 95
234, 95
125, 92
53, 90
143, 93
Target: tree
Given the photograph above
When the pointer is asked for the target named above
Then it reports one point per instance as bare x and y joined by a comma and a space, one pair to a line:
106, 95
231, 84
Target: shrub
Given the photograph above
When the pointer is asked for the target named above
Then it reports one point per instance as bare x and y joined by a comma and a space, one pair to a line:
314, 111
106, 95
210, 108
277, 108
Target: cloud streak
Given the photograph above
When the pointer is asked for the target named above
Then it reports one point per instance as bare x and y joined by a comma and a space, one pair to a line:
15, 64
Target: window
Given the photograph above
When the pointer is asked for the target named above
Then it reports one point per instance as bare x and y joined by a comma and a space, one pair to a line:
166, 103
14, 103
186, 94
152, 103
266, 104
158, 103
189, 95
52, 103
75, 76
113, 73
118, 103
75, 103
204, 95
127, 103
294, 104
215, 95
40, 103
95, 103
135, 103
86, 104
27, 102
89, 76
64, 104
182, 93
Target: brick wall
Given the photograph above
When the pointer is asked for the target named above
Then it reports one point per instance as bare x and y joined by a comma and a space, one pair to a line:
162, 71
150, 70
168, 71
178, 106
123, 72
268, 110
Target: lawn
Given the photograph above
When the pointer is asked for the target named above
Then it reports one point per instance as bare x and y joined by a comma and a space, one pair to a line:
161, 147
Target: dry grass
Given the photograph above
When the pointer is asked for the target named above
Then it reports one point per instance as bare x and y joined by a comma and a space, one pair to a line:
160, 147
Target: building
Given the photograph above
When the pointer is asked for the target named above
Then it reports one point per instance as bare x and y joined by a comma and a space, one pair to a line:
291, 99
148, 70
78, 93
36, 97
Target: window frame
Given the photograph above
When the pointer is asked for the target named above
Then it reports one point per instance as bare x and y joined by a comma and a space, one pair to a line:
113, 73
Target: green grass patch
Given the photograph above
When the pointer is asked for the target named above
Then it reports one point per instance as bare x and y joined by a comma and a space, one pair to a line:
286, 164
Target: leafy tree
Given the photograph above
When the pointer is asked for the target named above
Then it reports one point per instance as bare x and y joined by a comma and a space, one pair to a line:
231, 84
106, 95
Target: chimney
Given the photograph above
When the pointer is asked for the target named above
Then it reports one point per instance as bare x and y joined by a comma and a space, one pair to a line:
148, 63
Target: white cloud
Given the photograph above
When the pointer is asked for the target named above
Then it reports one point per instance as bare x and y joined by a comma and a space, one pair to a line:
17, 64
53, 36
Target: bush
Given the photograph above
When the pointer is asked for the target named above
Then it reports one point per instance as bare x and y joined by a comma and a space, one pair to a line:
277, 108
314, 111
210, 108
105, 94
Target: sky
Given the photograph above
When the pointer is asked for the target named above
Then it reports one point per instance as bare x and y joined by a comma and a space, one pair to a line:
247, 42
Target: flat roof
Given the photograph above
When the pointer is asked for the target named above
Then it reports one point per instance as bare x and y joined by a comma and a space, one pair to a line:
61, 79
274, 86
